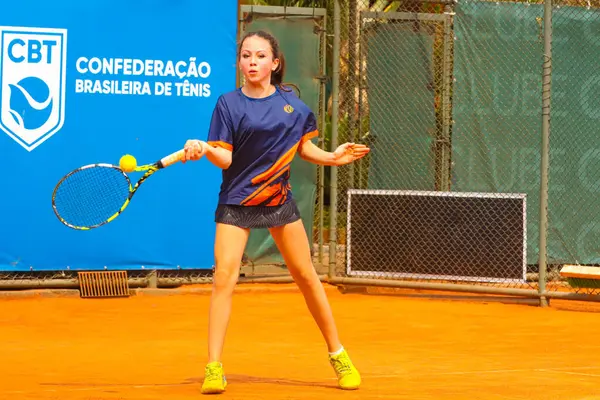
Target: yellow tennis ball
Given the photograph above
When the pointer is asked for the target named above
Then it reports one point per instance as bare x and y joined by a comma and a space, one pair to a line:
128, 163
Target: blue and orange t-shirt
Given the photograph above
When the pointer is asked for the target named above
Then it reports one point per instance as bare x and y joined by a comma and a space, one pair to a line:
264, 135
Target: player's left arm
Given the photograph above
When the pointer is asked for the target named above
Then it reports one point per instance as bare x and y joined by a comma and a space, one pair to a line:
344, 154
308, 151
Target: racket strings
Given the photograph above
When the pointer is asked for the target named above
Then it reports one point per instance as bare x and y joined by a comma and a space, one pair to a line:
90, 196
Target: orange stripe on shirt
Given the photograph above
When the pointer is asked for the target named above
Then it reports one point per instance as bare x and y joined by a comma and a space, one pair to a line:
223, 145
267, 193
250, 200
308, 136
283, 161
280, 198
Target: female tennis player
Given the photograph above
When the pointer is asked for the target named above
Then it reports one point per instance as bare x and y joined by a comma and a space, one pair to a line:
255, 132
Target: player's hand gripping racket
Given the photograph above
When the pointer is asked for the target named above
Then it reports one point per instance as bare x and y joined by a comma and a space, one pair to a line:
96, 194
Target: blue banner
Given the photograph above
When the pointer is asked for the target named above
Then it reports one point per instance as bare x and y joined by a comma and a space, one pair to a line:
88, 81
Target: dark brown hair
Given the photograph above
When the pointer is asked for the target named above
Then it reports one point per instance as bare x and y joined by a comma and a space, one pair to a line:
278, 74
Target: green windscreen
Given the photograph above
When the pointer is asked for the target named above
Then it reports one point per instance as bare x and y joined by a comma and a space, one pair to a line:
301, 46
497, 103
497, 109
401, 105
574, 183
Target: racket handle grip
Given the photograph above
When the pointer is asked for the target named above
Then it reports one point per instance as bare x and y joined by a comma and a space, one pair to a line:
171, 159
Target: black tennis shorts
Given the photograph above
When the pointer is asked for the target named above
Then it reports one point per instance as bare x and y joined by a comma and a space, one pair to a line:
253, 217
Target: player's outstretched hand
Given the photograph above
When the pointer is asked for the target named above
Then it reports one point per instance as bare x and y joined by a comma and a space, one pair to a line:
349, 152
194, 150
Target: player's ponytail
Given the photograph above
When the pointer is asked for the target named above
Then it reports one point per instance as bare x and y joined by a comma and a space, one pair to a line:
278, 74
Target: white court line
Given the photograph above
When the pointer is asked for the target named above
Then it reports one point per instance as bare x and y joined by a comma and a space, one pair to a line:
490, 371
572, 373
562, 370
97, 387
90, 389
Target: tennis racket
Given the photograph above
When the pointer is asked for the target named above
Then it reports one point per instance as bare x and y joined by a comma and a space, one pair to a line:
96, 194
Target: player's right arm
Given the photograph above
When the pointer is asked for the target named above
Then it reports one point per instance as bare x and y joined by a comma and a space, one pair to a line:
196, 149
218, 156
220, 136
219, 146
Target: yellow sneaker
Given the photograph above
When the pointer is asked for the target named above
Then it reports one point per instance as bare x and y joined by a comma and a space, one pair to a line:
347, 374
214, 379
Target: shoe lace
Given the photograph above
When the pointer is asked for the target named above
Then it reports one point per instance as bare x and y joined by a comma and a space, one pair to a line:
342, 365
212, 372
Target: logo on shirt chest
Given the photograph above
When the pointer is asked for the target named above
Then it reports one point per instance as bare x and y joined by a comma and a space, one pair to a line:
288, 109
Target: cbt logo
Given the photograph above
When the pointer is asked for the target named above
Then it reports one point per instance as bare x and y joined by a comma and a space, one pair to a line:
32, 83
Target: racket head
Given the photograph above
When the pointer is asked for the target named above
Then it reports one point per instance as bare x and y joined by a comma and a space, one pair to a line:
91, 196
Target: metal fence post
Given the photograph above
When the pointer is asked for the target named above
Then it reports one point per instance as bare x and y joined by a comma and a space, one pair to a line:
544, 164
446, 150
334, 139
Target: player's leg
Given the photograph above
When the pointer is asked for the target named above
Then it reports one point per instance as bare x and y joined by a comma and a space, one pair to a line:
292, 242
230, 242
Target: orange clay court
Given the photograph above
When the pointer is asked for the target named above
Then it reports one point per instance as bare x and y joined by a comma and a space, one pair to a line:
406, 345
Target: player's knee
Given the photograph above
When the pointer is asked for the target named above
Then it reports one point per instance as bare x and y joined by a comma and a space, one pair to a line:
306, 277
225, 276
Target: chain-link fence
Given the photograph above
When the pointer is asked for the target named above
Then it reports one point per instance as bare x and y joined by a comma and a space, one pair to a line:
395, 80
573, 204
455, 100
